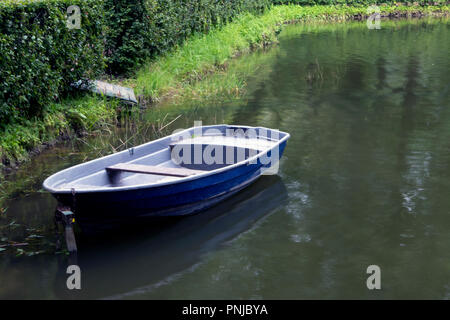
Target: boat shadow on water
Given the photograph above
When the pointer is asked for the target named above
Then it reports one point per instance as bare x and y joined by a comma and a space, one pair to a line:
140, 258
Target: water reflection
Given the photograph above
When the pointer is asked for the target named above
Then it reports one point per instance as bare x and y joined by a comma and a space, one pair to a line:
117, 265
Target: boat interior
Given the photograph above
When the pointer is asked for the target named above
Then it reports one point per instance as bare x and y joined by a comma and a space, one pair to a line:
163, 161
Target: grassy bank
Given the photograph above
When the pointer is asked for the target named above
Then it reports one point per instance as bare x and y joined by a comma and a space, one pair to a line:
59, 121
174, 74
181, 74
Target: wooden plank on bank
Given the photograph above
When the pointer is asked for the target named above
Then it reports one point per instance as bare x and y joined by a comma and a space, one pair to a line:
108, 89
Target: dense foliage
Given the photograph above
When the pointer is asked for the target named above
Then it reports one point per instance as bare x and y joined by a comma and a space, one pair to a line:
357, 2
40, 56
143, 28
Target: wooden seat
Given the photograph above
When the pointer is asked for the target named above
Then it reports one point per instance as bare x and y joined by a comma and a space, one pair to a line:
161, 171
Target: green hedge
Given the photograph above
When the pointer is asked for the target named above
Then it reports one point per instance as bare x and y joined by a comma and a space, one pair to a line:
356, 2
140, 29
40, 56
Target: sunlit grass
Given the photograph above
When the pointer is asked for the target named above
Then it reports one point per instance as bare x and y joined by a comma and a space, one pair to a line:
199, 56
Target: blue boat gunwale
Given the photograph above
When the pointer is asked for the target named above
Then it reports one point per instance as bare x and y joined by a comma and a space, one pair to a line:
164, 183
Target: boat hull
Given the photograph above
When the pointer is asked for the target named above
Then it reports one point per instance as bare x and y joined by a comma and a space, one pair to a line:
179, 199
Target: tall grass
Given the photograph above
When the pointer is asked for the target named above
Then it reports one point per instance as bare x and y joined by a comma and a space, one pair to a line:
87, 113
200, 55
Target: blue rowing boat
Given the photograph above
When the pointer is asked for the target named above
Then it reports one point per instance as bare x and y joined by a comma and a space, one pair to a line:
177, 175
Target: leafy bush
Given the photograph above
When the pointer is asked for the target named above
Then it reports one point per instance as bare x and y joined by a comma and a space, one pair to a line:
127, 26
40, 56
139, 29
356, 2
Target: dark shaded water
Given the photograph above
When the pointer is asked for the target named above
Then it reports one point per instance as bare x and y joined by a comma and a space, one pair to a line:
365, 180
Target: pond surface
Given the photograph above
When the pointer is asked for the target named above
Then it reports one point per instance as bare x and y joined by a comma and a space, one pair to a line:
365, 180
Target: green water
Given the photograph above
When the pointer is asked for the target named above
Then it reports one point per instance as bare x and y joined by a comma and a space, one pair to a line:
365, 180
